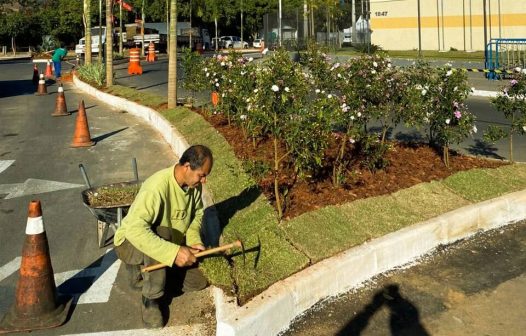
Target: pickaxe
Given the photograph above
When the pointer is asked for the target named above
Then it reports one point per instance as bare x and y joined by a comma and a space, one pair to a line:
237, 243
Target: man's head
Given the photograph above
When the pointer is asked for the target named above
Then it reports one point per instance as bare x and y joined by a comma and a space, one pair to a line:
194, 166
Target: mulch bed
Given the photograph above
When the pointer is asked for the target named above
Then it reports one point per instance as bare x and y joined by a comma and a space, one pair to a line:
409, 164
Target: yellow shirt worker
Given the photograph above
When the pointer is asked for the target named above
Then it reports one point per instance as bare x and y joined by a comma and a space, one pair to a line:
163, 225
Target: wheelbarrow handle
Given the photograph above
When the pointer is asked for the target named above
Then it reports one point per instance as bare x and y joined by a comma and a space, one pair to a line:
221, 248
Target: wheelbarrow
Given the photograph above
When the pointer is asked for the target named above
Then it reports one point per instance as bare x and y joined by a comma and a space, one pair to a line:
108, 215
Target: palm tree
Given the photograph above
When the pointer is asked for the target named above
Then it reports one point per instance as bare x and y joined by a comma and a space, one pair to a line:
172, 57
109, 43
87, 34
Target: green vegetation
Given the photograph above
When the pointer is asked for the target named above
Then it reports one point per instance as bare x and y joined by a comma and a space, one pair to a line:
113, 195
276, 250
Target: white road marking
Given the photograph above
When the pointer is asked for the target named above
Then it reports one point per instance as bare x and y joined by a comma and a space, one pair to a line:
4, 164
10, 268
34, 186
101, 280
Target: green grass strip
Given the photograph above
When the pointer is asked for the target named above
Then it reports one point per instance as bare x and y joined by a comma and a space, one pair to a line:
144, 98
478, 185
428, 200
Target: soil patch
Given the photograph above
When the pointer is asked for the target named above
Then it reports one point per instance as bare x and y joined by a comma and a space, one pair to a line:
408, 165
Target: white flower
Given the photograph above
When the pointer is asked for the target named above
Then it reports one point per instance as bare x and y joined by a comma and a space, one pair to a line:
351, 140
359, 114
455, 88
317, 90
255, 90
217, 84
275, 88
339, 76
223, 94
375, 64
475, 129
449, 65
247, 100
352, 117
205, 69
472, 89
524, 71
207, 74
251, 59
222, 63
373, 71
323, 91
448, 121
329, 96
518, 69
287, 89
215, 80
424, 91
448, 73
389, 65
243, 72
524, 128
243, 117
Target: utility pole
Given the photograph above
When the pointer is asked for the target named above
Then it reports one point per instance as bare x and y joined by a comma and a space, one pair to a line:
120, 27
419, 32
485, 34
142, 29
100, 31
242, 45
279, 22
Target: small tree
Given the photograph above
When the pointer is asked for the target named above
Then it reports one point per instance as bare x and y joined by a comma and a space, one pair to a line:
512, 103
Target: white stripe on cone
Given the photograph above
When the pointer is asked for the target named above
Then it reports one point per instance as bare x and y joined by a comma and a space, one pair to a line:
35, 225
60, 89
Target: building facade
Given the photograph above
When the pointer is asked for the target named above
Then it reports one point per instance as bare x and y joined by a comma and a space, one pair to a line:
445, 24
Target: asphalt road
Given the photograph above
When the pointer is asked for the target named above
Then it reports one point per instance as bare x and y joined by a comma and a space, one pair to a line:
154, 79
36, 162
474, 287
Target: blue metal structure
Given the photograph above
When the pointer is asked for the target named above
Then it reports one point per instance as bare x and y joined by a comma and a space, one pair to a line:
504, 54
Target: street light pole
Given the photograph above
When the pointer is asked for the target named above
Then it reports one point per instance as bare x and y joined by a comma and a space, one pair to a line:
419, 32
485, 35
279, 23
100, 31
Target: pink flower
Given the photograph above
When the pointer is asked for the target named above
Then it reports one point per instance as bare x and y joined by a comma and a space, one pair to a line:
458, 114
513, 82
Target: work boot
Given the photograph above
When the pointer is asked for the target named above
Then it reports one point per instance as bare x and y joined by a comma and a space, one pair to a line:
151, 313
134, 276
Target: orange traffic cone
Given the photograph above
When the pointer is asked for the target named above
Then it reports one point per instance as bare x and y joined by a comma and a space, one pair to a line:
134, 65
41, 89
36, 303
82, 138
60, 104
215, 98
35, 74
49, 72
151, 53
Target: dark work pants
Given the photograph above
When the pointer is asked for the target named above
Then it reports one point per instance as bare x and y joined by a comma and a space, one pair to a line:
154, 283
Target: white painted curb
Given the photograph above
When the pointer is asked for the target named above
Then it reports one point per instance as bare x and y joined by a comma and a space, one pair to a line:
272, 311
482, 93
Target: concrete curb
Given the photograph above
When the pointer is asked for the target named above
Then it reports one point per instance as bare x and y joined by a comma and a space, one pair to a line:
482, 93
274, 309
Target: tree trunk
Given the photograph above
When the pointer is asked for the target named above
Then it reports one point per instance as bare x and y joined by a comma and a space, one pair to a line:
13, 45
87, 32
109, 43
172, 59
276, 179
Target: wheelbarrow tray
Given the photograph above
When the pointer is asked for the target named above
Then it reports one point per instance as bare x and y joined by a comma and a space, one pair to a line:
107, 213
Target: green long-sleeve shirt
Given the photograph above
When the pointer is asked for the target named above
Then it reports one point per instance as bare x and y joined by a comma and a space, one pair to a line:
161, 201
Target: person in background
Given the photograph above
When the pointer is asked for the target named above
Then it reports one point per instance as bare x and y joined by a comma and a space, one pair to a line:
58, 56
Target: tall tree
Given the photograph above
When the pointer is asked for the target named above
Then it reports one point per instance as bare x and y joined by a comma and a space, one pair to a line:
87, 30
172, 59
109, 43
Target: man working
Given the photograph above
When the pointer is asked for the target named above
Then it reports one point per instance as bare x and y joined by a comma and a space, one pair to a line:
58, 56
163, 225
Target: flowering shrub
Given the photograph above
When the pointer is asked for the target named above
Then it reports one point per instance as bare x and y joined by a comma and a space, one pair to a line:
307, 108
512, 103
191, 62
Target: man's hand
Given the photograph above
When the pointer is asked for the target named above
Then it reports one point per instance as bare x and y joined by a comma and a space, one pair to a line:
185, 256
198, 247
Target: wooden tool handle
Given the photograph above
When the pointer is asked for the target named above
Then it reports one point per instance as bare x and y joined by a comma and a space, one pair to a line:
221, 248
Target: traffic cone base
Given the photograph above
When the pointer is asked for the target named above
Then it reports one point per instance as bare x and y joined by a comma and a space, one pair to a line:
81, 137
60, 105
14, 323
36, 304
